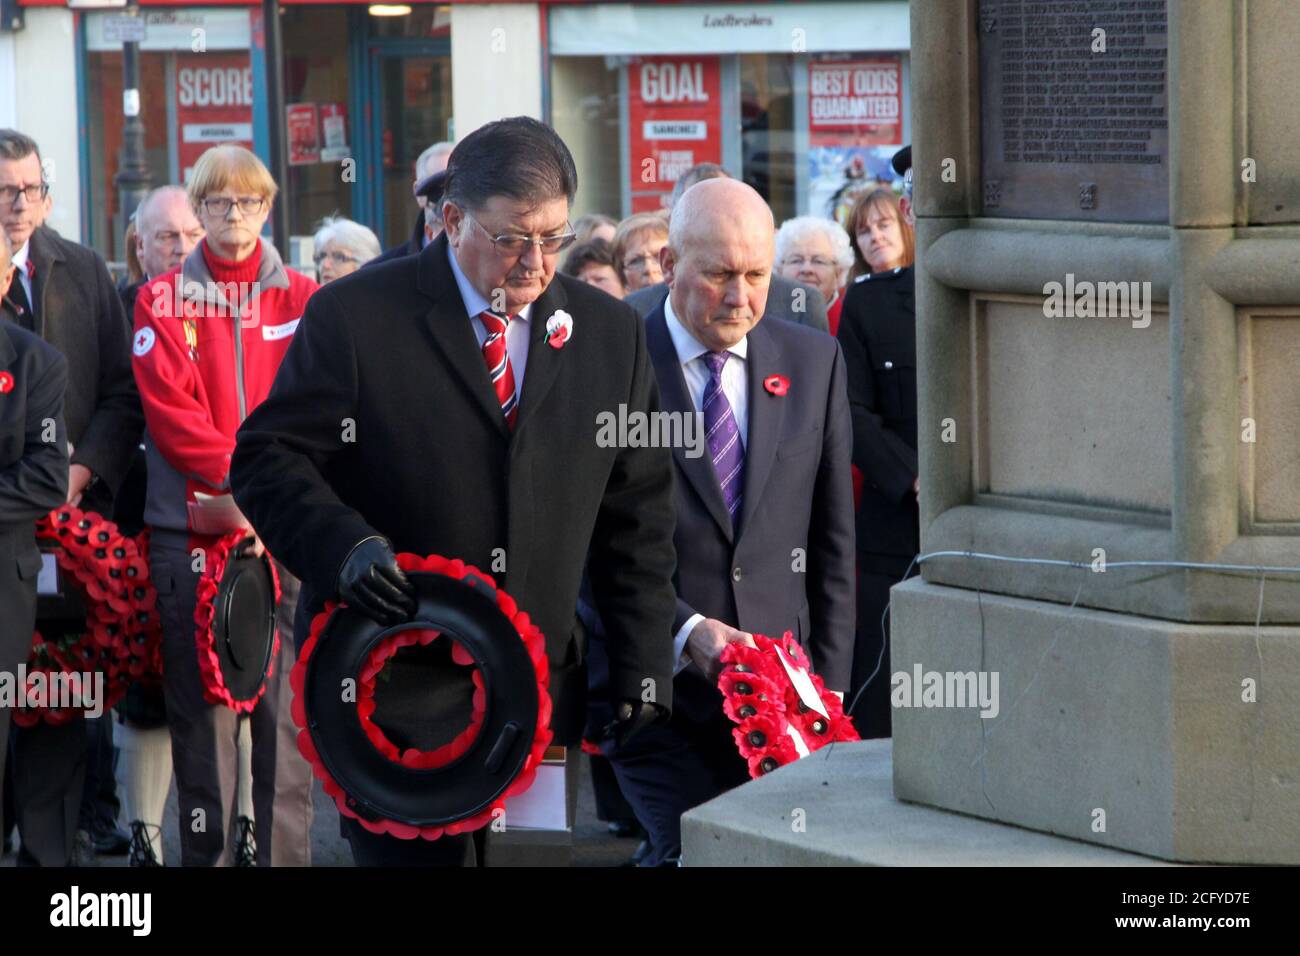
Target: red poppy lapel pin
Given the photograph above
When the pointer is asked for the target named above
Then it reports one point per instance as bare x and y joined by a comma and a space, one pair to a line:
777, 385
6, 383
559, 329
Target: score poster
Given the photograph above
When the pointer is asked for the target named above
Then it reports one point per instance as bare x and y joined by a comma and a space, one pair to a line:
674, 117
214, 104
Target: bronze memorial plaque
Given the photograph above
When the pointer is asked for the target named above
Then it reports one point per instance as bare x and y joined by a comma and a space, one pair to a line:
1074, 109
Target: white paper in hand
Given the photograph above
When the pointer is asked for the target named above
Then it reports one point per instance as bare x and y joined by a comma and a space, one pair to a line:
215, 514
803, 685
47, 582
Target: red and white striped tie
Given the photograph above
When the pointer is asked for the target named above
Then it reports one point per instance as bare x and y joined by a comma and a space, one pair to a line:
498, 363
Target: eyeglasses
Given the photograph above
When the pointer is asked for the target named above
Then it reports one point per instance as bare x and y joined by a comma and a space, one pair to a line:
220, 205
799, 261
515, 245
33, 193
338, 258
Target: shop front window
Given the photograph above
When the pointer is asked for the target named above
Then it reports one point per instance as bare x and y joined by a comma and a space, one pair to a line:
767, 129
189, 101
318, 126
809, 132
415, 113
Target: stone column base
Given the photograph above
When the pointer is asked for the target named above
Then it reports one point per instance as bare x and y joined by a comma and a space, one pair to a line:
835, 808
1181, 741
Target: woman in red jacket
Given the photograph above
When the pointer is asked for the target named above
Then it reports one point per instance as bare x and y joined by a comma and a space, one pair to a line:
208, 340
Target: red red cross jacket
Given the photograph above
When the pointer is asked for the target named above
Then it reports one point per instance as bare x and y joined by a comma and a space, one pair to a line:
205, 351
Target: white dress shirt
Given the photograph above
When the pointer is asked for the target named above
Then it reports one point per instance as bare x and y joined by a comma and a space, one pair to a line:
516, 331
19, 260
735, 385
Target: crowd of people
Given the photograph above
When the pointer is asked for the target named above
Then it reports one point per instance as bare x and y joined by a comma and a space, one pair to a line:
640, 564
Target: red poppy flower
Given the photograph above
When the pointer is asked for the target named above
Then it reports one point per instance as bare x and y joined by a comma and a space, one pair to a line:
6, 383
758, 734
778, 385
122, 637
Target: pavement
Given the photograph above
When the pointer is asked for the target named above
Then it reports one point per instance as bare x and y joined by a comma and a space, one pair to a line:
593, 844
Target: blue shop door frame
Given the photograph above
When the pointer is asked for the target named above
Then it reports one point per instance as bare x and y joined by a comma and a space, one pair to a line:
402, 97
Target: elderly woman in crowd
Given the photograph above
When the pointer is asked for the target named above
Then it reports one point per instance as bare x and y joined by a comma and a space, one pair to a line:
595, 225
343, 246
636, 250
201, 369
816, 252
882, 237
593, 263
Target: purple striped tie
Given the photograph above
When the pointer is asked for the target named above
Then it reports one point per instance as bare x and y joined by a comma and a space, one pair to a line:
723, 435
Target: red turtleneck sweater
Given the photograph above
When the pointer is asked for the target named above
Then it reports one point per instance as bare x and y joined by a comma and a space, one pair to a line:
228, 270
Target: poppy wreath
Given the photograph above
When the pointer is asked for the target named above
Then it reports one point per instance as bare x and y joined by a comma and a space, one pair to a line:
215, 690
775, 727
122, 637
535, 645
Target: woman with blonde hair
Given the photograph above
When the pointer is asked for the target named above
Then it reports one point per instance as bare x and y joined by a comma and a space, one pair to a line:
637, 242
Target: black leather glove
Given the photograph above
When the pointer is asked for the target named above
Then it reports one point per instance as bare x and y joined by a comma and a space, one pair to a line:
371, 582
632, 717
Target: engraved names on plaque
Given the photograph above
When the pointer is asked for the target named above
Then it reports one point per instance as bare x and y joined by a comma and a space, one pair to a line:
1074, 109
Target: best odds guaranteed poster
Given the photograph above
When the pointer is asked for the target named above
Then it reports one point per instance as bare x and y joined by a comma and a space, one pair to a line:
855, 125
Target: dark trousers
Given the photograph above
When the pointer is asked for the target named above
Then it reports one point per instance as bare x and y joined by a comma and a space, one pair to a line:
871, 714
611, 805
49, 775
17, 622
99, 803
665, 771
204, 736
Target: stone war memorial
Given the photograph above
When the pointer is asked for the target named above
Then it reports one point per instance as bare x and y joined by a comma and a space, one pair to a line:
1099, 661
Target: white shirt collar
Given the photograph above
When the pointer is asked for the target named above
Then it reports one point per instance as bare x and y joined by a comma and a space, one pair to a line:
687, 345
475, 304
19, 258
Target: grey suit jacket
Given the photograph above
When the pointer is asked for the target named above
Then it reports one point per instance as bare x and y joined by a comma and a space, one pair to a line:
781, 302
789, 563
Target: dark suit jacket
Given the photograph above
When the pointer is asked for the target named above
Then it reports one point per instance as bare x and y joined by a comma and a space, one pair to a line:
878, 335
798, 494
781, 302
33, 475
80, 313
435, 469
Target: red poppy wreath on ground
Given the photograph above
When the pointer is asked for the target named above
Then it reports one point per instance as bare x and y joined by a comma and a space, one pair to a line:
389, 646
215, 690
775, 725
122, 637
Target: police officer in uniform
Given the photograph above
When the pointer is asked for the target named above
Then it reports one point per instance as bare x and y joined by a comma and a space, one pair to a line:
878, 336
